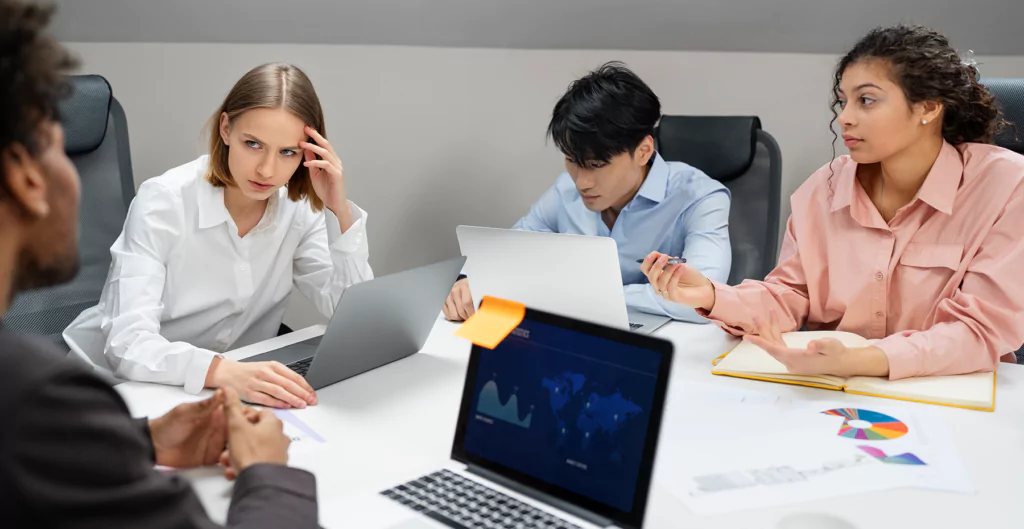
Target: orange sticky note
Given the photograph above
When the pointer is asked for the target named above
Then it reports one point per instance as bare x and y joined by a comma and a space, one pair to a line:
493, 322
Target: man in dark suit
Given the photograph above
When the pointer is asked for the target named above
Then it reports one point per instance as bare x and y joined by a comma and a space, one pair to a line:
70, 454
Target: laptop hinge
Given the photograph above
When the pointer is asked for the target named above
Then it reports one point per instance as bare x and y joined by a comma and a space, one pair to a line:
563, 505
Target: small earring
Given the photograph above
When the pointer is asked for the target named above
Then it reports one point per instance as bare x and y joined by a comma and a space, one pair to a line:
924, 121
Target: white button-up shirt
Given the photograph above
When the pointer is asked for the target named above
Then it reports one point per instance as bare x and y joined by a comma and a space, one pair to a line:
184, 287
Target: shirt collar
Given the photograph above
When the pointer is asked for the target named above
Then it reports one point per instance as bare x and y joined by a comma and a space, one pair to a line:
938, 190
842, 185
943, 181
212, 211
654, 185
269, 219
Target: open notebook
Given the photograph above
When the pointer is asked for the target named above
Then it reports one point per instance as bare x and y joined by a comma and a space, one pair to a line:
975, 391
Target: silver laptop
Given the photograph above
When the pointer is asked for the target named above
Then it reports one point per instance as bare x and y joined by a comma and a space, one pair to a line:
375, 323
574, 275
558, 429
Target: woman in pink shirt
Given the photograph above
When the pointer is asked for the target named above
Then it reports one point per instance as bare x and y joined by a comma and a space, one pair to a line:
913, 239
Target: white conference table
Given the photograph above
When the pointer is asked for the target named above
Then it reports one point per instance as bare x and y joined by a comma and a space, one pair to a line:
390, 424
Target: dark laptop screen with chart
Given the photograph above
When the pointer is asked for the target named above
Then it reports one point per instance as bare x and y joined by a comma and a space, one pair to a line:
568, 408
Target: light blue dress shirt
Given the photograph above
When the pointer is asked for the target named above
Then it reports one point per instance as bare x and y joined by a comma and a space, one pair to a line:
678, 211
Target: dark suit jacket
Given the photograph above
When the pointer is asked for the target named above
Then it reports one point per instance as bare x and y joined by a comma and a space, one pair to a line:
72, 456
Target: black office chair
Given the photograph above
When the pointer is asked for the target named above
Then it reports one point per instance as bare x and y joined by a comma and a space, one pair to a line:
97, 142
1009, 95
1010, 98
736, 152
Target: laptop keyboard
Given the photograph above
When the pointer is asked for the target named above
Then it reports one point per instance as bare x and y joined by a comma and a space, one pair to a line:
461, 503
635, 326
301, 366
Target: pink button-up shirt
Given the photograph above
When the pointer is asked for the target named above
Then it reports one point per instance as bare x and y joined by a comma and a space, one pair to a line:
941, 285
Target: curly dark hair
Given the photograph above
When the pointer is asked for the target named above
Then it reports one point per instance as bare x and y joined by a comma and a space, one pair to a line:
927, 68
31, 80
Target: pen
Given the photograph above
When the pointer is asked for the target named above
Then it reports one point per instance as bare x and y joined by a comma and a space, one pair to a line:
671, 261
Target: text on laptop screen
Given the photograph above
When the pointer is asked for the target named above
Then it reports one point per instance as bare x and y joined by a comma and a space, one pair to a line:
568, 408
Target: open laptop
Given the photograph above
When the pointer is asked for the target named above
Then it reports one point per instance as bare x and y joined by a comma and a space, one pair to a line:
575, 275
375, 323
558, 428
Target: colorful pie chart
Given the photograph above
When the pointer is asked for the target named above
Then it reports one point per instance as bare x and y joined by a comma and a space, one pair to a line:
868, 425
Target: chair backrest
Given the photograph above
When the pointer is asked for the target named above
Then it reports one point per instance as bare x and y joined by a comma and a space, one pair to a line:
736, 152
1009, 95
97, 142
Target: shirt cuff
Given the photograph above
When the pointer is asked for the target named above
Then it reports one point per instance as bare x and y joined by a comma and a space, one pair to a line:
353, 240
904, 358
195, 373
728, 306
293, 480
142, 423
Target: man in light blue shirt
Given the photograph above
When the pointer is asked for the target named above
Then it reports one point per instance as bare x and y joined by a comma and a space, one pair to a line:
616, 185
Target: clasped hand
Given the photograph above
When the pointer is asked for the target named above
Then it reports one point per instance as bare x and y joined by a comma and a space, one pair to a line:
219, 430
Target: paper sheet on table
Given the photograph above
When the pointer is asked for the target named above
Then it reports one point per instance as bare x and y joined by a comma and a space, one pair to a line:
714, 411
154, 400
297, 430
726, 450
687, 394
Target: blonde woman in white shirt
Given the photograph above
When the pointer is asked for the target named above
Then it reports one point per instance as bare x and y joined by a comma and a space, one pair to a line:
211, 249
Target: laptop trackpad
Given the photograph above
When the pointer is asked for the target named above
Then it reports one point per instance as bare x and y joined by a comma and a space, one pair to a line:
289, 353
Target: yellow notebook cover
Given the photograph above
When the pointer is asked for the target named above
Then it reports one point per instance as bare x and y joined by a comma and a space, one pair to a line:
973, 391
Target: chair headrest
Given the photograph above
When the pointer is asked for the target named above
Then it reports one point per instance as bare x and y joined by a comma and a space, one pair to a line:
84, 113
721, 146
1009, 95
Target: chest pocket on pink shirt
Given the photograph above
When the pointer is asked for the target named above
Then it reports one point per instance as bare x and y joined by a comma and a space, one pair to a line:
925, 271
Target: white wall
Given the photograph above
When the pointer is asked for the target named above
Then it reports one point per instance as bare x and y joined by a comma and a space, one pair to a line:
435, 137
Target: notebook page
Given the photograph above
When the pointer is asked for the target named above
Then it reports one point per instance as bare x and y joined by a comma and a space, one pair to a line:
974, 390
748, 358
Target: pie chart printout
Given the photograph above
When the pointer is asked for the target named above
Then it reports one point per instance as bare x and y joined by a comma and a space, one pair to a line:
868, 425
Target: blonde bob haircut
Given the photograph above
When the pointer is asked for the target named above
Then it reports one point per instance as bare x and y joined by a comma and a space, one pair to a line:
275, 85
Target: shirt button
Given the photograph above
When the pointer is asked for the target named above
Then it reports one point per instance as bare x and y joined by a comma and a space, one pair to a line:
878, 276
241, 267
880, 314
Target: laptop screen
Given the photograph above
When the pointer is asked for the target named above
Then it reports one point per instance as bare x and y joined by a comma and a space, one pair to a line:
569, 408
